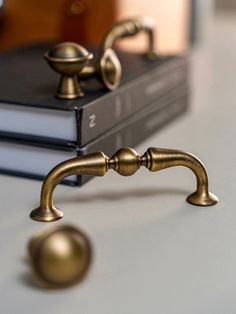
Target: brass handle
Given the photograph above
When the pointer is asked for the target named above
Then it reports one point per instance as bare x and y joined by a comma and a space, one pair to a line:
108, 70
126, 162
131, 27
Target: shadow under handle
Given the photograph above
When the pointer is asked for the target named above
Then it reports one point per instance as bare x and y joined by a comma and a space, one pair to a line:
126, 162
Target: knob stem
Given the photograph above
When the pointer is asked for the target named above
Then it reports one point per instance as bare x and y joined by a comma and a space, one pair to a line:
69, 87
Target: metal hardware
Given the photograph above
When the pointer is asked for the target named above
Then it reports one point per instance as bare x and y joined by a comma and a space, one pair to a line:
68, 59
108, 70
131, 27
71, 60
126, 162
59, 256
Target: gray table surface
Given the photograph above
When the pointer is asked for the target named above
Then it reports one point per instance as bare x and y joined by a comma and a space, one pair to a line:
154, 253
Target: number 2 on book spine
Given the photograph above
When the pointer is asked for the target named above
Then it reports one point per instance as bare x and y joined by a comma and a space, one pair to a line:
92, 119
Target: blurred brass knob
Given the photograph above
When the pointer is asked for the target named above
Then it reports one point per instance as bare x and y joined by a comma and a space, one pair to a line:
59, 256
68, 59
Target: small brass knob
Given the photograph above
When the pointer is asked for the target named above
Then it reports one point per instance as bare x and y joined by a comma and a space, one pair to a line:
68, 59
59, 256
108, 70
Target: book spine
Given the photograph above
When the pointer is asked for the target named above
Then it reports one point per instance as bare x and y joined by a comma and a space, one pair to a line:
130, 133
137, 131
107, 111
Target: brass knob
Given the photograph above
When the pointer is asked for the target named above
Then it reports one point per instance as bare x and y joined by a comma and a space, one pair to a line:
68, 59
126, 162
59, 256
108, 70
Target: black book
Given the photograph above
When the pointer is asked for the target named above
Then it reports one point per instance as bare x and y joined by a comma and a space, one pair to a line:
28, 106
36, 158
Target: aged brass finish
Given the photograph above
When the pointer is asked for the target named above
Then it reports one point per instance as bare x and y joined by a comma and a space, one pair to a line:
71, 60
108, 70
68, 59
126, 162
59, 256
131, 27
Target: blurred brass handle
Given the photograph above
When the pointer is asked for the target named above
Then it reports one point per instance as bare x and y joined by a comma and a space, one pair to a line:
108, 69
126, 162
131, 27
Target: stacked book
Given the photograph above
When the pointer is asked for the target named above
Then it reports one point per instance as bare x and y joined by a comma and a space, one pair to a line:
37, 130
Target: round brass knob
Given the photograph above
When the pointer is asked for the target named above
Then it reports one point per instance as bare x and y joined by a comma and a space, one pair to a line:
60, 256
68, 59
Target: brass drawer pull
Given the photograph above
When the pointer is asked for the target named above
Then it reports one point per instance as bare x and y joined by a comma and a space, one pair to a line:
108, 69
126, 161
131, 27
